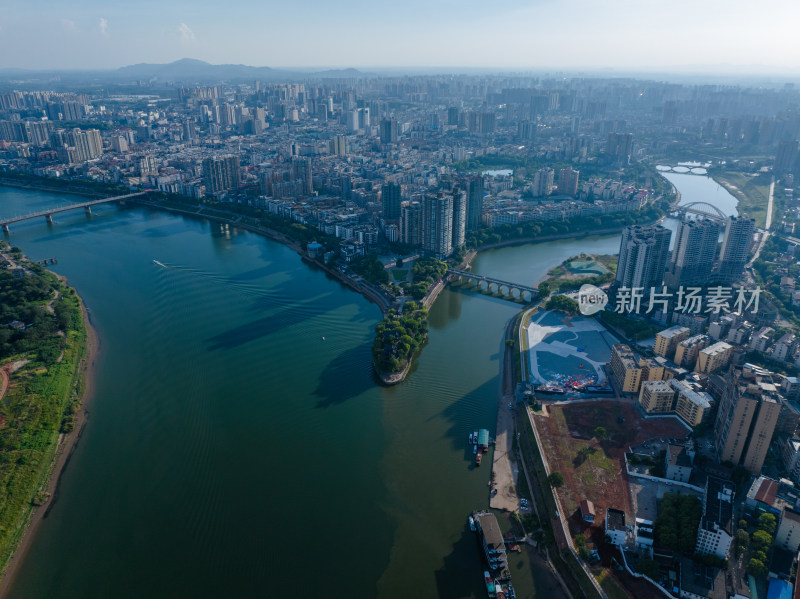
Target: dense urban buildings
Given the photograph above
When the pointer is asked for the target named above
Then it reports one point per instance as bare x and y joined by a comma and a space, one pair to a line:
735, 246
694, 253
437, 218
746, 418
397, 167
643, 256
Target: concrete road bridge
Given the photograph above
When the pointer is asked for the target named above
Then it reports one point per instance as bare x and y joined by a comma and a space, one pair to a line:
48, 214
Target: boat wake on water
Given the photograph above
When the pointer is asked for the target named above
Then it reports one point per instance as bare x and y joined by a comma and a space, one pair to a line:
252, 290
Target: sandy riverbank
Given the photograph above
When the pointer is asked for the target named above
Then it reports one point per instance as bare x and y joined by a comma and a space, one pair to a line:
66, 446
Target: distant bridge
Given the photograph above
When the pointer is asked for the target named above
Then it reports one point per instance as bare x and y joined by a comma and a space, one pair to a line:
48, 214
689, 170
504, 289
713, 213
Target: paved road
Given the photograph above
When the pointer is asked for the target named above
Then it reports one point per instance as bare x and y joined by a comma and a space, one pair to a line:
504, 470
769, 204
768, 223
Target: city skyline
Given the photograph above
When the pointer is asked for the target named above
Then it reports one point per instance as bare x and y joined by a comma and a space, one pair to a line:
567, 35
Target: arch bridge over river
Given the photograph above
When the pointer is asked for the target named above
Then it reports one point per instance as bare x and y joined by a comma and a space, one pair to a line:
683, 169
492, 286
702, 209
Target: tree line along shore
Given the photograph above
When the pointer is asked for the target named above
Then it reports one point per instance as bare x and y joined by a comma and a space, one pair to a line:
43, 350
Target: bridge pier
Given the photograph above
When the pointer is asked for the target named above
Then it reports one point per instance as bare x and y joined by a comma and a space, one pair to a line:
49, 218
87, 210
6, 229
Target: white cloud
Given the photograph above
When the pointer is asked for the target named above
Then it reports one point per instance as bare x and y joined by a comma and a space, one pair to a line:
187, 35
69, 25
103, 27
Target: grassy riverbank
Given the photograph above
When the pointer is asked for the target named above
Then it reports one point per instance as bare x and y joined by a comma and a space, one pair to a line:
752, 191
38, 410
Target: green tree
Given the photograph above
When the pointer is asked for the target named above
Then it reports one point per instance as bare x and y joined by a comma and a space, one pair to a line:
600, 432
676, 525
562, 302
649, 568
760, 540
555, 479
742, 539
767, 523
544, 289
756, 568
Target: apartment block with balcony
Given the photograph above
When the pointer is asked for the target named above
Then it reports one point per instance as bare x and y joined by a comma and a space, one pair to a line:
625, 368
667, 341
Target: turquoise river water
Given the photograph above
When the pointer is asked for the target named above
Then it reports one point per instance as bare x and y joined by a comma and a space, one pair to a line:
231, 451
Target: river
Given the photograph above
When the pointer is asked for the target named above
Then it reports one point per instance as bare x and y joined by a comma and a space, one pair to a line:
231, 451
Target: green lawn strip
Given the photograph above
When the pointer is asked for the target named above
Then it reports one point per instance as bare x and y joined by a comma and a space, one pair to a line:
609, 584
752, 193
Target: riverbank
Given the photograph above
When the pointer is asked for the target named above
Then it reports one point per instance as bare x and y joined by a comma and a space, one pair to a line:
752, 192
71, 187
543, 238
83, 385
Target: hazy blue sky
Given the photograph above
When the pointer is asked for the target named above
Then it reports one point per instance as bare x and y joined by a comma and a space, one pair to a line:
360, 33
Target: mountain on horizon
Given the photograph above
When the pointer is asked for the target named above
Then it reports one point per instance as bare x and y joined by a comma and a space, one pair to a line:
193, 69
189, 70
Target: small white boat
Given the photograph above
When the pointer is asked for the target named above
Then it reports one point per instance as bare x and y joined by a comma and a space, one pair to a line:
323, 338
471, 523
157, 263
471, 439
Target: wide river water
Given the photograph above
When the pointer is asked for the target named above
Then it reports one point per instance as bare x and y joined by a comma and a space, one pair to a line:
232, 452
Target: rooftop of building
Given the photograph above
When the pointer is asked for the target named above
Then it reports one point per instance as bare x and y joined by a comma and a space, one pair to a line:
490, 529
775, 494
673, 331
719, 505
625, 355
781, 564
699, 398
694, 340
702, 580
763, 490
615, 519
717, 348
678, 456
791, 514
658, 386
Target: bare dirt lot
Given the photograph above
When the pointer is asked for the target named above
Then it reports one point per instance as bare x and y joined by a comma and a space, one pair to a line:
594, 468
